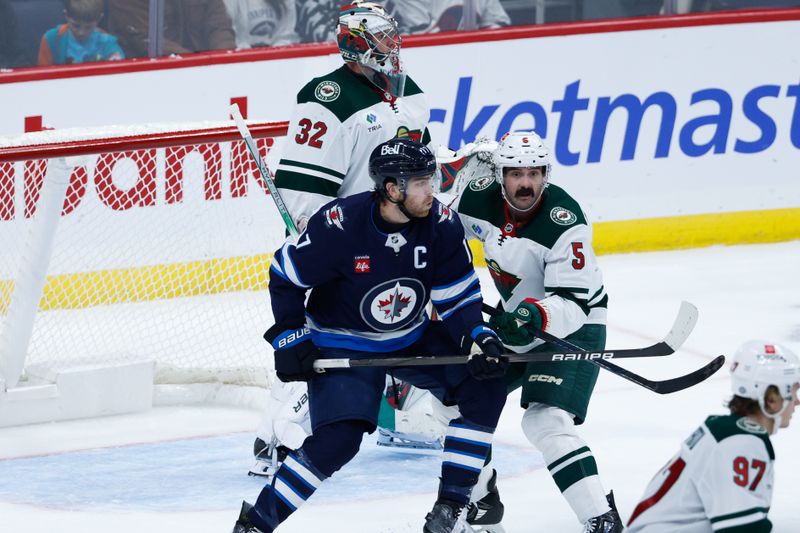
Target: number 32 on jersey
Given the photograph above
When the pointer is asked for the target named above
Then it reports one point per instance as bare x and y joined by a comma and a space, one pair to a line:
311, 133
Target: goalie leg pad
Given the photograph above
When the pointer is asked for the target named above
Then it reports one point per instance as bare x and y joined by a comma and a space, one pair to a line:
568, 458
286, 417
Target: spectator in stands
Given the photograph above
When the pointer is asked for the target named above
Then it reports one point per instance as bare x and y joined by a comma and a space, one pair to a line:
316, 19
79, 40
448, 15
686, 6
11, 54
263, 22
189, 26
717, 5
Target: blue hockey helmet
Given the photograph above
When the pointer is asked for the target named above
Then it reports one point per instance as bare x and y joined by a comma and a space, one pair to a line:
399, 160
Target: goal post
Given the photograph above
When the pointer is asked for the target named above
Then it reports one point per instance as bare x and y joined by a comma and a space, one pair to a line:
131, 248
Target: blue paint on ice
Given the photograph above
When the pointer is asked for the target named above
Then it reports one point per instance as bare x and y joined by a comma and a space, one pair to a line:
211, 474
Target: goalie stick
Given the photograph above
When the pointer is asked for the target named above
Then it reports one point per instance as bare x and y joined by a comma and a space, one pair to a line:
683, 326
236, 115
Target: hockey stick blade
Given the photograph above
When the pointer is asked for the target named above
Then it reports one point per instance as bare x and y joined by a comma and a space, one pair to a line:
679, 383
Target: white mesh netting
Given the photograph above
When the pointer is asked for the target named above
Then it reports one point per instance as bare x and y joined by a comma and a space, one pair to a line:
160, 252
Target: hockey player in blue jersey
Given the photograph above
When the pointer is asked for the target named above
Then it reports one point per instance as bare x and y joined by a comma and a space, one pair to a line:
372, 261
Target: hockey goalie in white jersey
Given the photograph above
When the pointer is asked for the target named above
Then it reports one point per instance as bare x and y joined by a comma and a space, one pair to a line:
721, 480
338, 120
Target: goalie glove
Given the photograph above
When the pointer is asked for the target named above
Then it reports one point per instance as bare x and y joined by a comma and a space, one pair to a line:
490, 363
294, 352
483, 145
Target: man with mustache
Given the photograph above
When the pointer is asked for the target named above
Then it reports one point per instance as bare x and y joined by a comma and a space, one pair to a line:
538, 247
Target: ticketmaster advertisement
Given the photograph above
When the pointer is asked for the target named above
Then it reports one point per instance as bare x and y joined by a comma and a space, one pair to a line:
647, 124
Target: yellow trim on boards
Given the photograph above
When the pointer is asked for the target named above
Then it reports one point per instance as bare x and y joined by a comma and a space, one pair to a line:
75, 291
157, 282
689, 231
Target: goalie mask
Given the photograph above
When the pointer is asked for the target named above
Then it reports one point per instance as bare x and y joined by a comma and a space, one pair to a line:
369, 36
756, 366
521, 149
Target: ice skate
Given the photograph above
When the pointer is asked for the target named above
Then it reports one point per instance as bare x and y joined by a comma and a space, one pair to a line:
269, 457
243, 524
408, 442
446, 517
609, 522
486, 514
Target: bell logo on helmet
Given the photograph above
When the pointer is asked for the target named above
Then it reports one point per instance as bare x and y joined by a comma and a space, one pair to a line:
388, 149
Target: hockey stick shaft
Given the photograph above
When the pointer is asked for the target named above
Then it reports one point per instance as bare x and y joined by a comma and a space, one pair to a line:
572, 354
684, 323
431, 360
262, 169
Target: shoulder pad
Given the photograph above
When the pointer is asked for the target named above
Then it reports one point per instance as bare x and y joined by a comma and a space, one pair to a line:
333, 216
561, 208
339, 92
724, 426
411, 87
480, 198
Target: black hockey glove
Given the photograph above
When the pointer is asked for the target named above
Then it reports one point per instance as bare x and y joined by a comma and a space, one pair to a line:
294, 352
489, 364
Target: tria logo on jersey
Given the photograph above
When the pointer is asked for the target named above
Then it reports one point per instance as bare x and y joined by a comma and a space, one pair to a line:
393, 304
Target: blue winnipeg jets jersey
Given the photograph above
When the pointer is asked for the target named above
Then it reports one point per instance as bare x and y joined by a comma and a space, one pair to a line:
369, 289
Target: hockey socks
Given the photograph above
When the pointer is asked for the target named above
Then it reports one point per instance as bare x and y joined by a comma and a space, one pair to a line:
568, 458
293, 484
466, 447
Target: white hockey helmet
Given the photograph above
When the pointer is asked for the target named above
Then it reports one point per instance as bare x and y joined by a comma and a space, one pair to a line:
368, 35
521, 149
759, 364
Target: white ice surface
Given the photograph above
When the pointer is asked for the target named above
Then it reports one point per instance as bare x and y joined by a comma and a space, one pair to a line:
181, 469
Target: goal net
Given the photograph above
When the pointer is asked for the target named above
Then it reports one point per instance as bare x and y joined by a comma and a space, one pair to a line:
147, 243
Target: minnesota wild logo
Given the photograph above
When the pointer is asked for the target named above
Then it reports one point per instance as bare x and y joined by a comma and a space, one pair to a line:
327, 91
405, 133
505, 282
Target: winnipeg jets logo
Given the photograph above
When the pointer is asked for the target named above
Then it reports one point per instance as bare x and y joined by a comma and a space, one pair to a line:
393, 307
393, 304
334, 217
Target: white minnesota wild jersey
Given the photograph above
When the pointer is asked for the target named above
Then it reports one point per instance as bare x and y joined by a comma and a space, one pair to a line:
337, 122
721, 480
549, 259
